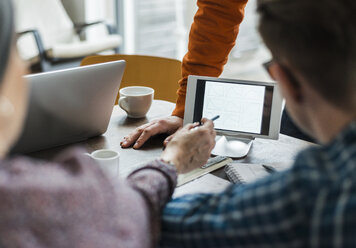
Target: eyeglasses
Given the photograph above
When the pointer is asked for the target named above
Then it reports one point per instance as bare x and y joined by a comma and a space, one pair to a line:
290, 75
267, 66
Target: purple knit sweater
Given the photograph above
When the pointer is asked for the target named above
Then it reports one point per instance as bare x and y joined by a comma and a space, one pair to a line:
71, 203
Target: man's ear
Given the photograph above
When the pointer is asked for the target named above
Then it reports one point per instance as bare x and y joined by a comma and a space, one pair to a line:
289, 86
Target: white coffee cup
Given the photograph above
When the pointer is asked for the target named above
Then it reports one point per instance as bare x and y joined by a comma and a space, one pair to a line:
136, 100
108, 160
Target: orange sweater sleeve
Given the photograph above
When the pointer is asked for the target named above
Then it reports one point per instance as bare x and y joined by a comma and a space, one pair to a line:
212, 36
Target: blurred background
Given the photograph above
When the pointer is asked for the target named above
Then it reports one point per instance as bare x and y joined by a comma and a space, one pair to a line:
146, 27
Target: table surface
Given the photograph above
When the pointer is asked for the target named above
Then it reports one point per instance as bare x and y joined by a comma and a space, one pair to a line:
281, 151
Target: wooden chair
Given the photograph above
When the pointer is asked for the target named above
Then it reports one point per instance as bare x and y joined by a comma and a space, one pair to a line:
161, 74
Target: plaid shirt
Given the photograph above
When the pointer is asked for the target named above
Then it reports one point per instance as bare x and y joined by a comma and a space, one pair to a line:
311, 205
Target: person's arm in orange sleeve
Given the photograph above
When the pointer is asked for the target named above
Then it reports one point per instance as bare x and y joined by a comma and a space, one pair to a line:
212, 36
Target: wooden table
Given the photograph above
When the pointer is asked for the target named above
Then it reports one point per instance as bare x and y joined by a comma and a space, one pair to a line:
262, 151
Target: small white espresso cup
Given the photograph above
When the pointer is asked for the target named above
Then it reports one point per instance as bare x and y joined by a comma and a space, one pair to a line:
136, 100
108, 160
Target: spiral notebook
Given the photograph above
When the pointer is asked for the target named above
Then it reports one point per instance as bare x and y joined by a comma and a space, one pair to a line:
242, 173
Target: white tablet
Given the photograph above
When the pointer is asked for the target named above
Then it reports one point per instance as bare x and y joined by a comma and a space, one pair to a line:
247, 109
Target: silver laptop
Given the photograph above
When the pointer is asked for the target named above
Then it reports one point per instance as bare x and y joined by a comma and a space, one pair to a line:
68, 106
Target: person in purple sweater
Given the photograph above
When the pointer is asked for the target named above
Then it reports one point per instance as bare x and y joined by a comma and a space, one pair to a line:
69, 202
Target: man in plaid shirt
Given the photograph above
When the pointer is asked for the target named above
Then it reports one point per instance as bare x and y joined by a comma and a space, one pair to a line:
313, 44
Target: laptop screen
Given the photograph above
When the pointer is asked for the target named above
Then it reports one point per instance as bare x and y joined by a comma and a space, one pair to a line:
242, 106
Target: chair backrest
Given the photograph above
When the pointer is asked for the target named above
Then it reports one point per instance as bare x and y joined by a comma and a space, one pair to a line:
161, 74
49, 18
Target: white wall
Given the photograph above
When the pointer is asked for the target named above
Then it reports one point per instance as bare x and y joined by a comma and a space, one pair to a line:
190, 10
188, 13
248, 38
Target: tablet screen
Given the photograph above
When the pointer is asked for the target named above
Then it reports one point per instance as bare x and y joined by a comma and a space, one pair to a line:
242, 107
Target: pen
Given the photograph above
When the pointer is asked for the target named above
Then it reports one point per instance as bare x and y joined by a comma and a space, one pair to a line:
212, 119
215, 118
269, 169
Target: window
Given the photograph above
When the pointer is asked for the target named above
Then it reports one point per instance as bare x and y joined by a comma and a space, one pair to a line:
154, 27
